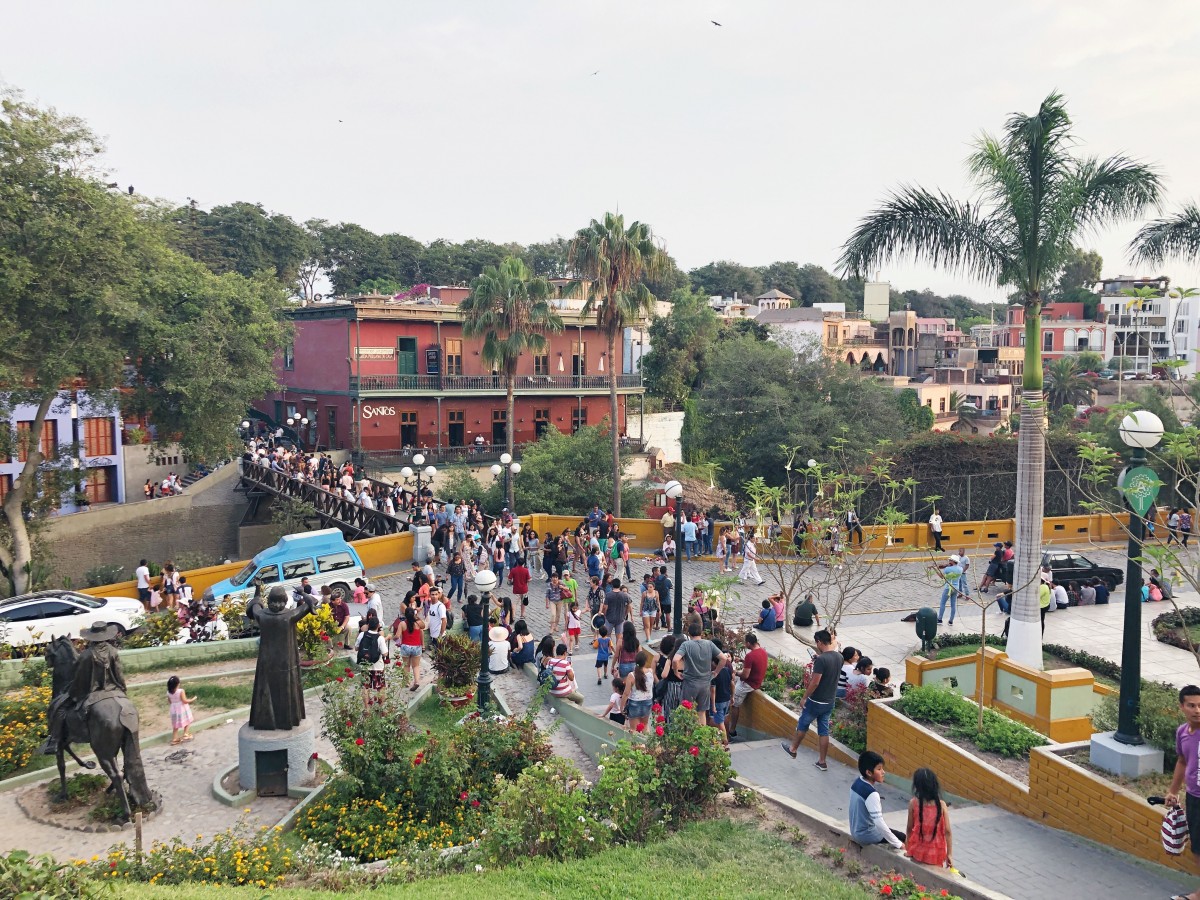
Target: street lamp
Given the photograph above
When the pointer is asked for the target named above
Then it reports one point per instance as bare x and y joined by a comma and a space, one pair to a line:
1139, 485
812, 464
507, 467
408, 473
485, 580
302, 422
674, 491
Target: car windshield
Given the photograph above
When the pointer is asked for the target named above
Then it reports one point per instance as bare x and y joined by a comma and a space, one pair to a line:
243, 576
85, 600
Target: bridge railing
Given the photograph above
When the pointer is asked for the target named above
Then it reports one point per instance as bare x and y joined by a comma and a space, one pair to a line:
330, 506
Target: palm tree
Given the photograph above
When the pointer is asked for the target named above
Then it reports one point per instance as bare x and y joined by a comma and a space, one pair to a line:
613, 262
1064, 385
967, 412
1175, 236
1035, 199
1139, 297
508, 308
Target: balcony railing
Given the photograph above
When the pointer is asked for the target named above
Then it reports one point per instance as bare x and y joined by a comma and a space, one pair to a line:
457, 384
472, 454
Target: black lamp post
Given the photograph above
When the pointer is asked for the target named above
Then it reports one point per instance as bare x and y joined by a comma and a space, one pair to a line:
428, 472
485, 580
1139, 484
674, 491
508, 468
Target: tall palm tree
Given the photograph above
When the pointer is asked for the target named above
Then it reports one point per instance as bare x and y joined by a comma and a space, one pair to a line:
614, 262
1064, 385
1035, 199
1138, 298
967, 412
508, 308
1175, 236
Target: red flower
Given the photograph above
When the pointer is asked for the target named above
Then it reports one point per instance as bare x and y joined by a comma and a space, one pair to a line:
659, 730
657, 708
945, 893
112, 865
314, 756
339, 679
325, 638
886, 890
359, 741
462, 796
474, 802
686, 704
349, 671
641, 726
351, 675
660, 719
695, 751
349, 724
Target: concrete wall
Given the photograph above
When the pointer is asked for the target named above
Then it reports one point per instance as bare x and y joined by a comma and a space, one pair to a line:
662, 431
203, 520
143, 461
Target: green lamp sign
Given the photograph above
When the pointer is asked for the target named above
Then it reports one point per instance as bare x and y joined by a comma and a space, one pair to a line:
1140, 487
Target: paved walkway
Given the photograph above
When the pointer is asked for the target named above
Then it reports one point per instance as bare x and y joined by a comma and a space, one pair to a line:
997, 849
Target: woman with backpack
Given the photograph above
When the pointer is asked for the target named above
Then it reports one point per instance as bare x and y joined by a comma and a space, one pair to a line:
371, 653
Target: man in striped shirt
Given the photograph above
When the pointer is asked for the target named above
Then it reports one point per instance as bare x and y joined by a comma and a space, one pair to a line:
564, 676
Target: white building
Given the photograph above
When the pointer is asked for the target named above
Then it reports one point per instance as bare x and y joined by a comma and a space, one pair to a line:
1164, 328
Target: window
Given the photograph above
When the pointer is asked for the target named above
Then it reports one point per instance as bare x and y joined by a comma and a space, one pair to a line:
1048, 340
408, 429
98, 437
268, 574
5, 486
26, 613
541, 364
942, 404
331, 417
456, 430
289, 356
1181, 326
298, 569
332, 562
98, 484
57, 609
454, 357
541, 421
49, 443
578, 419
499, 426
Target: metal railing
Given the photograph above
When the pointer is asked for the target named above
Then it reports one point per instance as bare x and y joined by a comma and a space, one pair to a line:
470, 455
454, 384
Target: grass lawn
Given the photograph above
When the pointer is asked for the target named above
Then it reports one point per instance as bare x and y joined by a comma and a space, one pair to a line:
1049, 661
437, 716
710, 859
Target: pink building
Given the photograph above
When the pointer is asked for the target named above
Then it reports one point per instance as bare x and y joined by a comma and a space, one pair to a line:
1065, 330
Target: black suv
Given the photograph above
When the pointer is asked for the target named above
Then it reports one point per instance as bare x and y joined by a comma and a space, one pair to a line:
1070, 567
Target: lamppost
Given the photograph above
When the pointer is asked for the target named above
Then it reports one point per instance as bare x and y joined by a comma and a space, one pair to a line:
808, 499
301, 421
1139, 485
674, 491
507, 467
429, 471
485, 580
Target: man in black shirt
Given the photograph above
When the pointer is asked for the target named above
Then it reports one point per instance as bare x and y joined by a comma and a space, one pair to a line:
819, 694
615, 608
666, 599
722, 693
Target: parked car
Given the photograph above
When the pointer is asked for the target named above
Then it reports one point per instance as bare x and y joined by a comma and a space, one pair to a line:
1070, 567
40, 617
322, 556
1107, 373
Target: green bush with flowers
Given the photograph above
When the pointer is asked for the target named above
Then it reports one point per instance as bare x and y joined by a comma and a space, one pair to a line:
546, 812
628, 792
903, 887
693, 765
314, 633
23, 726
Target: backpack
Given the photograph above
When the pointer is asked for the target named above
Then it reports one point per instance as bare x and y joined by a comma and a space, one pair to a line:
368, 649
616, 550
546, 676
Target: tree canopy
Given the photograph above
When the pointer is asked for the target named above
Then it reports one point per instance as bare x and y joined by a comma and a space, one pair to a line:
680, 343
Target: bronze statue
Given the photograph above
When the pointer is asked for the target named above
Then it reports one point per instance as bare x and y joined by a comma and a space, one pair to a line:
278, 699
88, 703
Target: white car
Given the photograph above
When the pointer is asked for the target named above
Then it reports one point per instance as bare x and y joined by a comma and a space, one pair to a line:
39, 618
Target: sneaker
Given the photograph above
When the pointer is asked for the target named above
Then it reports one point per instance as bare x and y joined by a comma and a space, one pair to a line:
787, 748
951, 621
939, 621
761, 583
824, 767
733, 734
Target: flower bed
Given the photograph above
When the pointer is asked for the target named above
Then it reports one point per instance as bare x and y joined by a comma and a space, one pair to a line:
1172, 627
784, 682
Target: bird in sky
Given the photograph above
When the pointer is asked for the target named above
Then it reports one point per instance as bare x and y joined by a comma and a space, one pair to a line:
715, 22
597, 72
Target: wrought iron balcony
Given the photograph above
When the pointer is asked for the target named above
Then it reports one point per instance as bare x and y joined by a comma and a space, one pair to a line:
490, 384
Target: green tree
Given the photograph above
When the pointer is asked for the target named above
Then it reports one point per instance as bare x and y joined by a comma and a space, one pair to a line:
783, 276
1036, 199
1173, 237
725, 278
615, 261
87, 283
1065, 386
507, 307
916, 415
1081, 269
680, 344
967, 412
1089, 361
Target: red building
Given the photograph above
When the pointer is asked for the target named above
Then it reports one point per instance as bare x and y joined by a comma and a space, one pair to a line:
376, 374
1065, 330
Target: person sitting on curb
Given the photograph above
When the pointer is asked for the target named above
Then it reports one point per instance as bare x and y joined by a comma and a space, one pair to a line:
867, 825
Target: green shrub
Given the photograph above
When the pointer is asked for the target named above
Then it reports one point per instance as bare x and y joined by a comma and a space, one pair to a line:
109, 573
849, 721
34, 672
627, 793
41, 878
456, 660
81, 787
937, 705
1158, 717
1168, 626
545, 812
1089, 661
999, 734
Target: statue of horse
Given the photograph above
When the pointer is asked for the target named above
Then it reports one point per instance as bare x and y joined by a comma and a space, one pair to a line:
109, 724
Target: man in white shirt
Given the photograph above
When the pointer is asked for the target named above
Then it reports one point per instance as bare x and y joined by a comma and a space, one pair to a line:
143, 581
436, 618
1059, 598
750, 563
935, 528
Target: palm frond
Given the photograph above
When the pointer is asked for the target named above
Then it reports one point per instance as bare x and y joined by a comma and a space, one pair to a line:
929, 227
1110, 190
1177, 236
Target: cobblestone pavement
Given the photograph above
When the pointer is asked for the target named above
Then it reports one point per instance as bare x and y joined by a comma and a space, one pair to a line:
183, 775
999, 850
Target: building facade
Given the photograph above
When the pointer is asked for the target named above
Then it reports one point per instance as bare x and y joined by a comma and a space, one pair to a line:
375, 374
79, 432
1165, 327
1065, 330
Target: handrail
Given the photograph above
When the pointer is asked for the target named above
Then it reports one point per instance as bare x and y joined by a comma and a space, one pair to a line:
468, 383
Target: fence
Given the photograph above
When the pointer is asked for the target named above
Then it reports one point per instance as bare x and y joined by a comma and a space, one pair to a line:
976, 498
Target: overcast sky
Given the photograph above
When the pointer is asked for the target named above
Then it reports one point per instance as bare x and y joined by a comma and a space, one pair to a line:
765, 138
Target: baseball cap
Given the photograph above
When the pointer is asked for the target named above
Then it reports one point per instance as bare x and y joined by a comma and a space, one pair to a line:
997, 545
953, 557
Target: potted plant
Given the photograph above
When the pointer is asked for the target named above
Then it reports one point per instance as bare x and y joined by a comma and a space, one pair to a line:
456, 660
314, 635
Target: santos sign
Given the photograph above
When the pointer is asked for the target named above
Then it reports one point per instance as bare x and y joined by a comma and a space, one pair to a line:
375, 412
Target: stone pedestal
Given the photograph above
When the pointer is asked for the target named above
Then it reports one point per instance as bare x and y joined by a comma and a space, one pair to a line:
422, 543
1132, 761
298, 742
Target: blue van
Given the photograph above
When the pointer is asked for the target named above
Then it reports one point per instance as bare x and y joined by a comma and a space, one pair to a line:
323, 556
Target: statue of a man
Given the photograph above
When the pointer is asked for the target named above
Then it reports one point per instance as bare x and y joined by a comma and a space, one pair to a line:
98, 675
278, 700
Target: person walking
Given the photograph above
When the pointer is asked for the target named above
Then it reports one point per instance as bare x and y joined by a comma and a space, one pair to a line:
1187, 770
750, 562
928, 838
457, 570
554, 598
1173, 526
696, 660
935, 529
651, 606
408, 632
181, 711
371, 650
627, 649
951, 573
639, 690
142, 573
820, 691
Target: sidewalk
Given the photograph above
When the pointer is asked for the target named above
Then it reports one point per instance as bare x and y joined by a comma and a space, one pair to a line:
997, 849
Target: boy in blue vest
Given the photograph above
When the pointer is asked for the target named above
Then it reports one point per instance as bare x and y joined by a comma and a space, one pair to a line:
866, 808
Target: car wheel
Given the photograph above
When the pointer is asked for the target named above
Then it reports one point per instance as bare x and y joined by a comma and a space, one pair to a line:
340, 589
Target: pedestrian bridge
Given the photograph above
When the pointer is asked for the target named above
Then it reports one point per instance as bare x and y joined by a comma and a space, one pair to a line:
259, 481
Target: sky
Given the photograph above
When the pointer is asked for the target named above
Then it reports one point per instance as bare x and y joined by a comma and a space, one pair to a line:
765, 138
